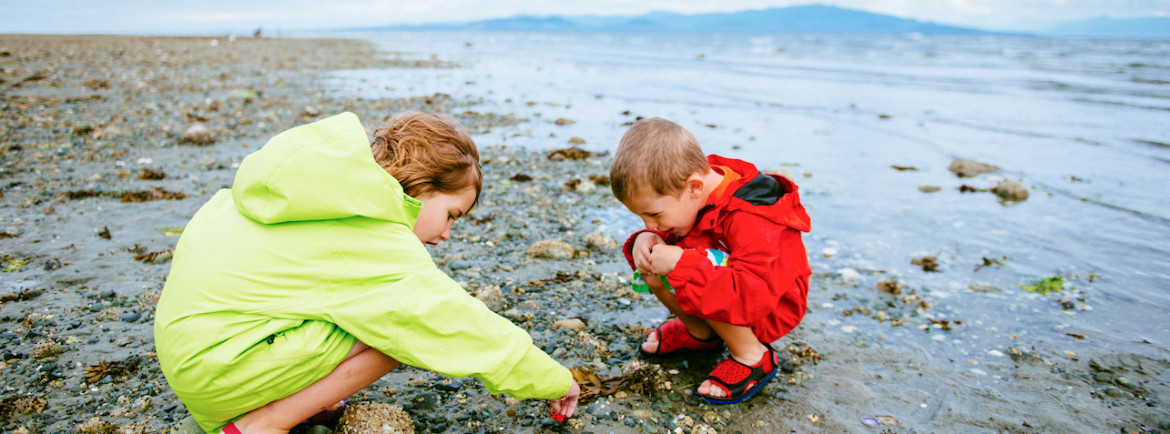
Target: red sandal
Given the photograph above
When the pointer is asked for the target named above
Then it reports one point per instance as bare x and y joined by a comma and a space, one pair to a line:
740, 381
673, 337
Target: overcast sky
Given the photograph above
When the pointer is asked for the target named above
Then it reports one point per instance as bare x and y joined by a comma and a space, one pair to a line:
242, 16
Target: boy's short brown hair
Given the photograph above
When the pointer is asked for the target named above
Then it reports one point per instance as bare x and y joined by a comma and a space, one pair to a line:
655, 156
426, 153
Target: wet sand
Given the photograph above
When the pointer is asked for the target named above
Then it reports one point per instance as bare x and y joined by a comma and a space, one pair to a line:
103, 163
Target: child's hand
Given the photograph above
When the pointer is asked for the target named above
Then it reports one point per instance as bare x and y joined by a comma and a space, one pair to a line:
663, 258
642, 246
565, 405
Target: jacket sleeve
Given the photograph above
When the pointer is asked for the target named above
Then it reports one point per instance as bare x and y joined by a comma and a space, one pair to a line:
628, 247
426, 320
753, 282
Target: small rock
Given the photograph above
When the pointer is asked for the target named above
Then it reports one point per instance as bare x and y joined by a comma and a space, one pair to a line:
600, 241
984, 288
1010, 190
46, 348
576, 140
585, 187
848, 274
828, 252
570, 323
1126, 383
929, 188
424, 401
551, 249
96, 425
198, 134
492, 297
131, 317
965, 168
642, 414
1103, 377
448, 384
890, 286
929, 263
786, 366
517, 316
310, 111
565, 121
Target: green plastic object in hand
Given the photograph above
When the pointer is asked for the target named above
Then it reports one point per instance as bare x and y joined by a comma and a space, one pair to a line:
639, 284
716, 256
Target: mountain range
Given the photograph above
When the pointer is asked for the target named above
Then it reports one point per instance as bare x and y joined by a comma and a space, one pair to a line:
809, 19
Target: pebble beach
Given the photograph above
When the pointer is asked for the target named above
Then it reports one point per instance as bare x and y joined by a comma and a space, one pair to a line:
111, 143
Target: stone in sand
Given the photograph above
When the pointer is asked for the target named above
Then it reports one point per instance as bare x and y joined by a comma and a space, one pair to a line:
96, 425
570, 323
646, 378
492, 297
46, 348
198, 134
929, 263
565, 121
585, 187
928, 188
965, 168
890, 286
575, 140
601, 241
371, 417
1011, 191
550, 249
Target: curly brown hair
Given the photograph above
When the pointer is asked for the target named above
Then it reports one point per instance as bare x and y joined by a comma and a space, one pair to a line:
428, 152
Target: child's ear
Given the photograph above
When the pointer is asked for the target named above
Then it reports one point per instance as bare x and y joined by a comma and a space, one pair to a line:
695, 185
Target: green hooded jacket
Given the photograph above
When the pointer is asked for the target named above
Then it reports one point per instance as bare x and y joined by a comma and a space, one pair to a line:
312, 248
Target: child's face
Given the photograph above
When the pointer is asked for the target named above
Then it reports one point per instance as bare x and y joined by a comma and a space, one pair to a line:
439, 211
667, 213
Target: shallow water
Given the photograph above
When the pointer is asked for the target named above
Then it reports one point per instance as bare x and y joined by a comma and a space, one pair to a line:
1081, 123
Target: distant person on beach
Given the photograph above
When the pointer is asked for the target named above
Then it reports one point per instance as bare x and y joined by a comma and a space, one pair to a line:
722, 250
310, 279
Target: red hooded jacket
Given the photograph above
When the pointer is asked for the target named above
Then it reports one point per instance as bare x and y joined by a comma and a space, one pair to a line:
758, 222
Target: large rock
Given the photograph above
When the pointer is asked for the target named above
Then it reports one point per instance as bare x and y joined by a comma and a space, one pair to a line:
550, 249
372, 417
965, 168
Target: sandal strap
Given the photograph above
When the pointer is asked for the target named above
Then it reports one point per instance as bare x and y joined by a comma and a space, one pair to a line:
731, 368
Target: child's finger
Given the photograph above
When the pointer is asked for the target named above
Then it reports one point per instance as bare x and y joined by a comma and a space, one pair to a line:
570, 407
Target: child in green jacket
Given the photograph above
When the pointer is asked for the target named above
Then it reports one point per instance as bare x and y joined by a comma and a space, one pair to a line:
309, 280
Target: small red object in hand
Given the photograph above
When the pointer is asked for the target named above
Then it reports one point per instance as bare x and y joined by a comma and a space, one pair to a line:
556, 416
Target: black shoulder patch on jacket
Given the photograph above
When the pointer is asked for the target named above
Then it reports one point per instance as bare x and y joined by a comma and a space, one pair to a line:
763, 190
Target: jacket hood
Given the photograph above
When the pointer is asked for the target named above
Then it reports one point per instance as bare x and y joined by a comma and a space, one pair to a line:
320, 171
771, 196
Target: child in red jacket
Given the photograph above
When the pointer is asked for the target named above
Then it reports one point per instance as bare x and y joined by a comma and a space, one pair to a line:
692, 204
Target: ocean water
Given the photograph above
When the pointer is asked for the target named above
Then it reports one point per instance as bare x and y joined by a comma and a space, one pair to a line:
1083, 124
